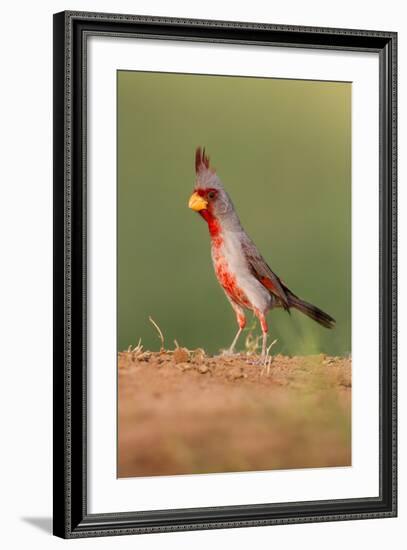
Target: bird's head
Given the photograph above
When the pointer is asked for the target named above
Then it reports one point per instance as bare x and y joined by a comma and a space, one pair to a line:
209, 198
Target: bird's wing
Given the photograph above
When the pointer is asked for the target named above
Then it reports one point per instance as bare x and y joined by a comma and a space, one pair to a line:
263, 273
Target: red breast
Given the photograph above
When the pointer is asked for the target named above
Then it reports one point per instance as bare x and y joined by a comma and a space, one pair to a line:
228, 280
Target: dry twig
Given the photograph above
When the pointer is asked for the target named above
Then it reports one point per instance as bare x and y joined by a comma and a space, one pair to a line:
160, 334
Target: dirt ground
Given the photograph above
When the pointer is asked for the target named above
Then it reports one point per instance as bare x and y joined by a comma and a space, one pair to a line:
182, 412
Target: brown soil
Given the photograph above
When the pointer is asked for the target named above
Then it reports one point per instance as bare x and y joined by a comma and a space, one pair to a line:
182, 412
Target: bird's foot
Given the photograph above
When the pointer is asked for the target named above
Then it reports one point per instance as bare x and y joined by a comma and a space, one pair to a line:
266, 360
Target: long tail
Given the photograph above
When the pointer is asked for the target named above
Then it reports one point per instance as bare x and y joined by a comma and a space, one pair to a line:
311, 311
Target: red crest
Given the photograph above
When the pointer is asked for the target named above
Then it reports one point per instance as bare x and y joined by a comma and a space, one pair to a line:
201, 160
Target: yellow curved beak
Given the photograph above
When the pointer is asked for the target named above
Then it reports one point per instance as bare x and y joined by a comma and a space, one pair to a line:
197, 203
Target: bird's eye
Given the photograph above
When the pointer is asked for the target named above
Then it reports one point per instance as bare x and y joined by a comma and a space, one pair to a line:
211, 194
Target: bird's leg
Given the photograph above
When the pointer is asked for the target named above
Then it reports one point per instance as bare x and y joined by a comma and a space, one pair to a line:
264, 344
264, 329
265, 358
241, 321
231, 350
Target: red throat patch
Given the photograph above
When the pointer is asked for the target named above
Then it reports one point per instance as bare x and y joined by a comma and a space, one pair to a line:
213, 224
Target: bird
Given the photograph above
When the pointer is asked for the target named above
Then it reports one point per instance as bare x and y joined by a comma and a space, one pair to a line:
243, 273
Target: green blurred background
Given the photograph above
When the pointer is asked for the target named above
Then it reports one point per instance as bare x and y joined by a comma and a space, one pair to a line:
282, 148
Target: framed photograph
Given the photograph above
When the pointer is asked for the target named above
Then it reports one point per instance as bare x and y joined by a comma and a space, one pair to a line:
224, 274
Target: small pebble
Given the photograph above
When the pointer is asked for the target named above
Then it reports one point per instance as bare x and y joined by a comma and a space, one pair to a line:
181, 355
198, 356
185, 366
203, 369
235, 374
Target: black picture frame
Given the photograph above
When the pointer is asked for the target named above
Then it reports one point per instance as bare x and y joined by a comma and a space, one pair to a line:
71, 518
